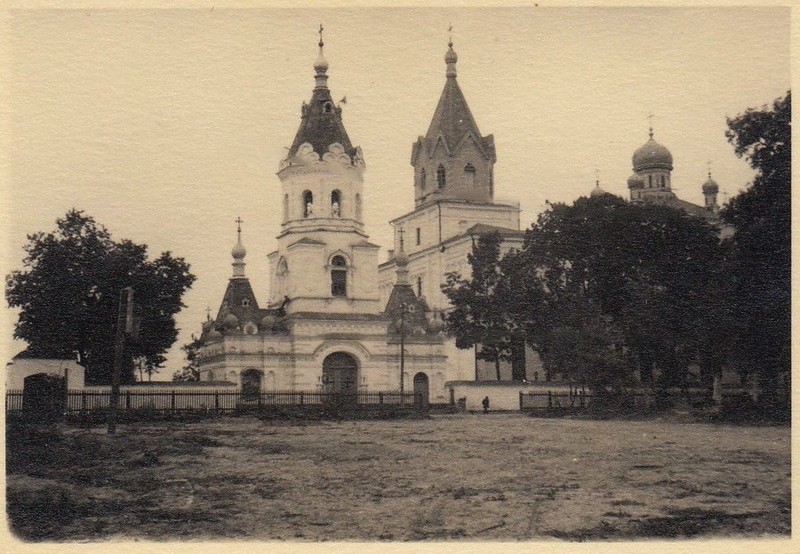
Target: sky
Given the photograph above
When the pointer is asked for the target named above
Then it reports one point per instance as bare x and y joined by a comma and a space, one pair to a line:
167, 125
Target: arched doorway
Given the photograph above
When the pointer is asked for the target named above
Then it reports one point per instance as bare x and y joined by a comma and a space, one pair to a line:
340, 376
421, 387
43, 397
251, 385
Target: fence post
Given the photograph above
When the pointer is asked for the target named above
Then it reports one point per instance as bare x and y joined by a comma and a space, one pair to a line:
216, 401
549, 399
520, 400
83, 401
127, 400
301, 398
172, 401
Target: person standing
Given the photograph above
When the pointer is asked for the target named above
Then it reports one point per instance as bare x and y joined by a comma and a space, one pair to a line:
485, 404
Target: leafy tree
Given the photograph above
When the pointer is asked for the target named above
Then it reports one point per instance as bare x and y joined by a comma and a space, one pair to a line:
190, 371
761, 244
68, 296
480, 313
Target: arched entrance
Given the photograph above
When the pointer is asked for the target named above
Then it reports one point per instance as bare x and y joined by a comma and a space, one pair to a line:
340, 376
251, 385
43, 397
421, 387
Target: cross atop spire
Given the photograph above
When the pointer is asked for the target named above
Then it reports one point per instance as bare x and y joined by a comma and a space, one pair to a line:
401, 232
321, 43
650, 118
450, 36
709, 168
208, 313
597, 176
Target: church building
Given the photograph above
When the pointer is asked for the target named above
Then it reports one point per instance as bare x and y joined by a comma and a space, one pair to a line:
325, 326
454, 204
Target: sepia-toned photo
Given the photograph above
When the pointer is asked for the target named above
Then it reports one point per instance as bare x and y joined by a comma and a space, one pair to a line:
437, 275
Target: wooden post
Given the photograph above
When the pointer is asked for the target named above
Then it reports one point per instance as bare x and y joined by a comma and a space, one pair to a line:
301, 398
127, 400
125, 301
216, 401
520, 400
172, 401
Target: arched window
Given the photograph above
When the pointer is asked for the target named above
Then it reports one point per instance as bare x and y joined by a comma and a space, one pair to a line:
469, 175
419, 286
285, 207
338, 276
663, 181
440, 177
336, 204
308, 204
327, 107
650, 181
423, 177
358, 207
210, 375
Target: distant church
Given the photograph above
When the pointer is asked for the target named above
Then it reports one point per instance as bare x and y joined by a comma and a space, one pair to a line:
325, 326
651, 182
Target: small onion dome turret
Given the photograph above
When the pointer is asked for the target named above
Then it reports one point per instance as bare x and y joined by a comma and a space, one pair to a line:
268, 322
401, 260
597, 191
435, 324
652, 155
208, 325
710, 186
213, 334
238, 251
231, 321
635, 182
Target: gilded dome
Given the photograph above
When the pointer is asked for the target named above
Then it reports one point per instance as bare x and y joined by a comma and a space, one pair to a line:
652, 155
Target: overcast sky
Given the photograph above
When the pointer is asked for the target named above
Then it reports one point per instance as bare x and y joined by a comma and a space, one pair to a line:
168, 125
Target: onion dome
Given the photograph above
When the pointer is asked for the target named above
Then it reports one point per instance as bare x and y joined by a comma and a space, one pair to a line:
238, 251
321, 65
208, 325
450, 56
652, 155
435, 324
597, 191
231, 321
635, 182
710, 186
213, 334
268, 322
401, 260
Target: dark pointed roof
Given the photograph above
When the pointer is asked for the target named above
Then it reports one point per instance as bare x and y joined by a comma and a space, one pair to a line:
237, 291
453, 122
404, 294
321, 125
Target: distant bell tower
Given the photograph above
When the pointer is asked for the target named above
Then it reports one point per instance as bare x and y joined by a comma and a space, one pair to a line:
710, 190
453, 160
652, 167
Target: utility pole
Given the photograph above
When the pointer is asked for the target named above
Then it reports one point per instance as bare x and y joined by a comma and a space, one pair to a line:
124, 325
402, 351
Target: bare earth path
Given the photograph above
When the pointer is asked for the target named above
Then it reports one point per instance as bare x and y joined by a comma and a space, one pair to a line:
495, 477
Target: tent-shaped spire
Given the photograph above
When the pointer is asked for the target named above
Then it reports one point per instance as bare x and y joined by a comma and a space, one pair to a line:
453, 119
321, 120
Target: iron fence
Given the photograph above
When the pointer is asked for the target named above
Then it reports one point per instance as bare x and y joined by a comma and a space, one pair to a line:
577, 400
87, 401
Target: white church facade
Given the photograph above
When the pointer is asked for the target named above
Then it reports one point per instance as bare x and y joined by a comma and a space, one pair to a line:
325, 326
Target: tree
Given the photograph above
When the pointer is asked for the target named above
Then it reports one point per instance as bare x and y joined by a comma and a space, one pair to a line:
190, 371
68, 294
480, 315
761, 244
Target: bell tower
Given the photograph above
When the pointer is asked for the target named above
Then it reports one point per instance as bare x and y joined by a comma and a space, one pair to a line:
324, 261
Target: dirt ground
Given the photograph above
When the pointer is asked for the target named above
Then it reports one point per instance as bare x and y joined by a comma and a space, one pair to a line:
474, 477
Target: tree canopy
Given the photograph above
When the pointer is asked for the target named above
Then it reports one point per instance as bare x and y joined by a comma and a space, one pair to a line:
599, 287
68, 294
760, 286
